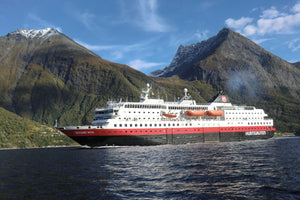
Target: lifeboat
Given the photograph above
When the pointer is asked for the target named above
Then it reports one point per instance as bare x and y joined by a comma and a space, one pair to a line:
194, 113
170, 115
214, 113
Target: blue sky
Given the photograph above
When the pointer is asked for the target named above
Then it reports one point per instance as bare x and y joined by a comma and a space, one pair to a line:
145, 34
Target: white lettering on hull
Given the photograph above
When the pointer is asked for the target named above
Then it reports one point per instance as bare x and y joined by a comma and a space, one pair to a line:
84, 132
248, 133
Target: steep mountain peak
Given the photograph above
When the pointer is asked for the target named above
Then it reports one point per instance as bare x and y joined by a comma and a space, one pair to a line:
33, 33
189, 54
235, 61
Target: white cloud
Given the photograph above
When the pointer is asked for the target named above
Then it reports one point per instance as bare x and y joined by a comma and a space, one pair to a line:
140, 64
239, 23
271, 21
95, 47
296, 7
294, 44
144, 14
250, 30
86, 18
270, 13
187, 37
259, 41
150, 20
201, 35
280, 25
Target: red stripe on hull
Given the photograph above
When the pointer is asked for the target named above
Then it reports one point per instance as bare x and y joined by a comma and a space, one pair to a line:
160, 131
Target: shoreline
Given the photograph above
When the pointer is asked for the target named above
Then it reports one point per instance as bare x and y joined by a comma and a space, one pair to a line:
285, 134
46, 147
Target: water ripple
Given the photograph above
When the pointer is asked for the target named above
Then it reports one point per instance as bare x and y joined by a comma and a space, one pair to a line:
263, 169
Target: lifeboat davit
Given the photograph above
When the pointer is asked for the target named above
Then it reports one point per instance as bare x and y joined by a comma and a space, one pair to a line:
170, 115
214, 113
194, 113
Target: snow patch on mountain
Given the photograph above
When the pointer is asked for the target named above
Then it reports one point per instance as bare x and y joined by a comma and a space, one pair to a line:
32, 33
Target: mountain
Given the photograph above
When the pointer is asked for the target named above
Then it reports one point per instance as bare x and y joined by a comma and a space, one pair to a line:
246, 71
46, 76
297, 64
233, 60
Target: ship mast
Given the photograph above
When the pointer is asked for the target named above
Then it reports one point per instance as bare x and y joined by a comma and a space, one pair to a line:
146, 92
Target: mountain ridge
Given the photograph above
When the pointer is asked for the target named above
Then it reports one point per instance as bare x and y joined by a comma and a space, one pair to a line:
247, 72
227, 52
53, 77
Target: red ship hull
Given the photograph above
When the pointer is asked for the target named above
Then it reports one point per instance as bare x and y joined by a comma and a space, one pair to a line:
157, 136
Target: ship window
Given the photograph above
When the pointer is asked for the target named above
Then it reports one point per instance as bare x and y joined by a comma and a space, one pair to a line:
120, 125
125, 125
115, 125
130, 125
145, 125
141, 125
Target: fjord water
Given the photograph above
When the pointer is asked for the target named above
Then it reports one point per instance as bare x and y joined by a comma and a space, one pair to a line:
262, 169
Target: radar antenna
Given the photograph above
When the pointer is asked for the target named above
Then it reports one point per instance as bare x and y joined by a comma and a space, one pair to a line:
146, 92
186, 96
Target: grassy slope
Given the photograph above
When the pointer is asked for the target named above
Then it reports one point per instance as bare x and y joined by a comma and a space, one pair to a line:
19, 132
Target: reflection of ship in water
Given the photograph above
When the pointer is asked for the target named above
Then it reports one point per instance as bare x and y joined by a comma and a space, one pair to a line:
154, 121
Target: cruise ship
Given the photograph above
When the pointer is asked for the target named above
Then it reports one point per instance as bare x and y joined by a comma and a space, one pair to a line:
153, 121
